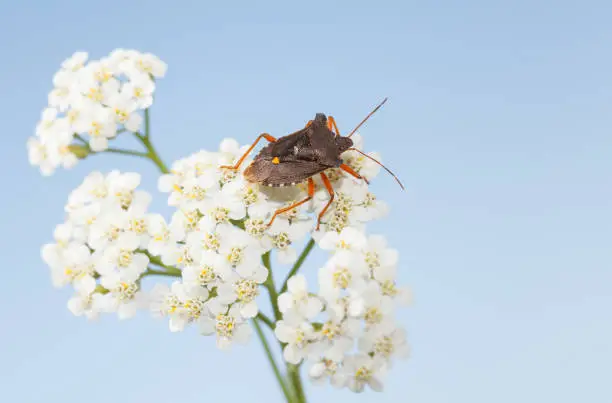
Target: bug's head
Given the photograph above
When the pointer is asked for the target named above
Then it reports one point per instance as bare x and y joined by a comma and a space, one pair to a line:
320, 120
343, 143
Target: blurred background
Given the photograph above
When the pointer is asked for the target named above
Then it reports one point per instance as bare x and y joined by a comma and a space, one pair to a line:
498, 122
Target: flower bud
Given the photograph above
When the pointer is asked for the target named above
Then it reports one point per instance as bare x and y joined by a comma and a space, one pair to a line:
80, 151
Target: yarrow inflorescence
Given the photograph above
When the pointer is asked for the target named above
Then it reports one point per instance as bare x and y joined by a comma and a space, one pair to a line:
93, 101
216, 247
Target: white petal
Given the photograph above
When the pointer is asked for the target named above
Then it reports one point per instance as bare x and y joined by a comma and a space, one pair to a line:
246, 268
404, 296
260, 274
226, 294
317, 370
297, 284
356, 386
128, 241
356, 307
292, 354
283, 332
133, 123
98, 143
177, 323
166, 182
75, 305
140, 261
385, 273
249, 310
287, 256
207, 326
127, 311
338, 380
329, 241
242, 334
229, 145
216, 307
223, 343
237, 210
313, 307
375, 384
85, 285
285, 302
389, 257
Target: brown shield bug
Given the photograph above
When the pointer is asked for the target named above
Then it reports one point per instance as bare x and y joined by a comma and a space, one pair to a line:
298, 156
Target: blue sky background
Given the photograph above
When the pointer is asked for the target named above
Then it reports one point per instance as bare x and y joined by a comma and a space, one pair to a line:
498, 122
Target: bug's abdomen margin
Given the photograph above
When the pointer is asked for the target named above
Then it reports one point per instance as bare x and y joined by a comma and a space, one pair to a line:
287, 173
258, 171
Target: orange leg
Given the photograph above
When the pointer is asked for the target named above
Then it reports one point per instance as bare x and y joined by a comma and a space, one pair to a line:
351, 172
308, 124
311, 189
331, 125
237, 165
330, 190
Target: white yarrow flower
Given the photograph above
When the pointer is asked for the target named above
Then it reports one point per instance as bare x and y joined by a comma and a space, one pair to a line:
298, 334
362, 370
298, 299
228, 325
242, 290
124, 296
283, 235
85, 304
385, 343
349, 239
325, 369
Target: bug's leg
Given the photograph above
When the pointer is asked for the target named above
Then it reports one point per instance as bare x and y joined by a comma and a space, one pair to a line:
311, 189
237, 165
351, 172
309, 123
331, 125
330, 190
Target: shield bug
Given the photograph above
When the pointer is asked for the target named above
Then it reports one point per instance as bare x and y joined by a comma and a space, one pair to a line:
299, 156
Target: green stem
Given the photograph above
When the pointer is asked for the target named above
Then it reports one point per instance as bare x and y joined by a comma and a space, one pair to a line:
277, 373
269, 322
147, 123
145, 139
298, 264
152, 272
293, 371
151, 152
158, 262
126, 152
269, 284
81, 139
296, 380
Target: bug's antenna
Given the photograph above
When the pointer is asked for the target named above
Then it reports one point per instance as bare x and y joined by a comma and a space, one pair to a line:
379, 163
367, 117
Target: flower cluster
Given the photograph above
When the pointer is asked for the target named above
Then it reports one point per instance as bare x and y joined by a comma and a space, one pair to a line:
217, 236
354, 307
222, 237
93, 102
100, 248
222, 269
354, 205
